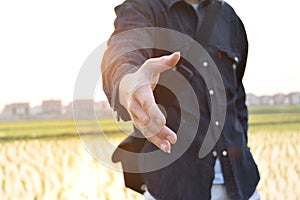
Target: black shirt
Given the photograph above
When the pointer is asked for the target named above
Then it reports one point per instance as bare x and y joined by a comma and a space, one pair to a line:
189, 177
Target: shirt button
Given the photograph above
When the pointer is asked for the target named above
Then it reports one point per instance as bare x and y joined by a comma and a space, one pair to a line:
217, 123
205, 64
224, 153
211, 92
214, 153
234, 66
236, 59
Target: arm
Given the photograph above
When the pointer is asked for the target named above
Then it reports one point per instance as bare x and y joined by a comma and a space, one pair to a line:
241, 95
129, 77
130, 15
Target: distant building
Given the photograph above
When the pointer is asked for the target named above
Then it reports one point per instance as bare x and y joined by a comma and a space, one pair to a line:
51, 107
16, 111
36, 110
88, 109
294, 98
280, 99
266, 100
83, 109
252, 100
102, 109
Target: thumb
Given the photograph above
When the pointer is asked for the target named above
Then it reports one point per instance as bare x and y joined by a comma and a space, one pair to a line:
170, 60
163, 63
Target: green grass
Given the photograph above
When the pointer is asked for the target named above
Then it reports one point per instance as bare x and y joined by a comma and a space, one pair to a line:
59, 127
261, 118
276, 119
274, 109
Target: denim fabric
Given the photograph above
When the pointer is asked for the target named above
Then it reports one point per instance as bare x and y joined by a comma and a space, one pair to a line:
218, 192
190, 177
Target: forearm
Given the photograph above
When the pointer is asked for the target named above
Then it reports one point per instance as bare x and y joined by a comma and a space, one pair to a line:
122, 55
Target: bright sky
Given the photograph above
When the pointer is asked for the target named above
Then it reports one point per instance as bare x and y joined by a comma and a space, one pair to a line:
44, 43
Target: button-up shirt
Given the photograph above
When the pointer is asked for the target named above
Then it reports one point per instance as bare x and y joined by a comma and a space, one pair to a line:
190, 177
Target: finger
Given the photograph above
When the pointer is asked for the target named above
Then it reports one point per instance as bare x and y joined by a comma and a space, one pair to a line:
156, 114
167, 60
162, 139
157, 119
146, 131
162, 63
168, 134
144, 96
138, 115
164, 134
164, 145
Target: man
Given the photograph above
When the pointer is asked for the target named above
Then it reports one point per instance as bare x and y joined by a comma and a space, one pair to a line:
130, 81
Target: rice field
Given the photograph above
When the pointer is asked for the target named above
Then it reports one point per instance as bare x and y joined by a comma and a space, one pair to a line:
61, 168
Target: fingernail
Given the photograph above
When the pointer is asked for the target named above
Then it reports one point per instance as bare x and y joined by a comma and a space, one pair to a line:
169, 151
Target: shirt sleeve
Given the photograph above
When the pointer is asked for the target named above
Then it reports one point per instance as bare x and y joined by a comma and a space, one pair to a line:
241, 94
122, 56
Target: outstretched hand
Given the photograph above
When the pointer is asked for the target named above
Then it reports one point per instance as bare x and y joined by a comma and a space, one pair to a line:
136, 95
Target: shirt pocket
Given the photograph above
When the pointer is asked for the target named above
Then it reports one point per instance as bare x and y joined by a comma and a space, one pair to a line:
228, 59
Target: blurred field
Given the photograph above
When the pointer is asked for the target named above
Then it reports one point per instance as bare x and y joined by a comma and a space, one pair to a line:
54, 128
56, 169
60, 168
